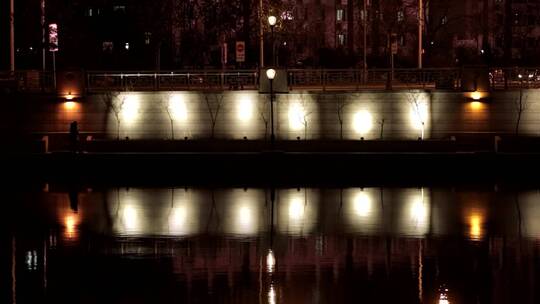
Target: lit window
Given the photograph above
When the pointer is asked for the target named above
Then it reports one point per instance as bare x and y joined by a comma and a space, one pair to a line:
119, 8
287, 15
341, 39
400, 16
339, 15
444, 20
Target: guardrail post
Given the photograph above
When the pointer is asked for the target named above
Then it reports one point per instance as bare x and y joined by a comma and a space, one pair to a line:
389, 80
188, 82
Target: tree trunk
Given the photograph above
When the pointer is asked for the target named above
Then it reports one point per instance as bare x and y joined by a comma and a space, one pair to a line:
172, 129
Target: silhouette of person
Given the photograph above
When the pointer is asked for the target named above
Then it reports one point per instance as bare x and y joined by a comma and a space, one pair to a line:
74, 136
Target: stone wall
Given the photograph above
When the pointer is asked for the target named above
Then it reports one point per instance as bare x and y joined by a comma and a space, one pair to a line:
298, 115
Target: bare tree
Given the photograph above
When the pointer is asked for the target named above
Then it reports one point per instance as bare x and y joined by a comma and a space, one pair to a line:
114, 103
304, 113
341, 103
520, 106
167, 106
214, 106
264, 112
415, 102
381, 123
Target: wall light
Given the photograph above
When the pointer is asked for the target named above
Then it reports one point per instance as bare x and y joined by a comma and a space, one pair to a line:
362, 204
476, 95
70, 105
130, 108
362, 122
245, 109
296, 117
177, 106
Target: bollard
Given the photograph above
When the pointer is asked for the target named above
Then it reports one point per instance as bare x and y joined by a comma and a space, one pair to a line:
497, 140
45, 139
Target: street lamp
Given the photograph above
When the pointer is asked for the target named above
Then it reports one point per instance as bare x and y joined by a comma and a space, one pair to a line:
271, 74
272, 20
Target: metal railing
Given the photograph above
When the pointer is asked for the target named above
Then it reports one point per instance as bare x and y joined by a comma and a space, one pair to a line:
297, 79
98, 81
375, 79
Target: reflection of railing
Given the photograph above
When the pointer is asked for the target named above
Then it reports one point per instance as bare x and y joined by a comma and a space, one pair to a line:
172, 80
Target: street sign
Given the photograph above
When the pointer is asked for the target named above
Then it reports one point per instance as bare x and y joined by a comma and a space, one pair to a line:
53, 37
240, 51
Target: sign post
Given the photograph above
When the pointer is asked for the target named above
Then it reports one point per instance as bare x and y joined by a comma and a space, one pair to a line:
223, 55
240, 51
394, 49
53, 47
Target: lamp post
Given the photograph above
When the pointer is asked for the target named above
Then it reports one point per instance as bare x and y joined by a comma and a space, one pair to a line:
272, 20
271, 74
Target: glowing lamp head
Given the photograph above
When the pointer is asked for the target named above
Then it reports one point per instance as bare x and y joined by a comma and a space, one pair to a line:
476, 95
271, 74
272, 20
69, 96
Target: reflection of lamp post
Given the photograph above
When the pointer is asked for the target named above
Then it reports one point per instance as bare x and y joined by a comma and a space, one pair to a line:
271, 74
272, 22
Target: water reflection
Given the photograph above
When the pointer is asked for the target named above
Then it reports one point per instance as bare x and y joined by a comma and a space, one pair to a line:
254, 245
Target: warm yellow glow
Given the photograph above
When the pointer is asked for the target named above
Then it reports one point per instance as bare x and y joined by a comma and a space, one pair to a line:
130, 108
245, 109
296, 209
177, 107
270, 261
177, 220
245, 217
70, 105
69, 96
362, 204
271, 295
296, 117
362, 122
443, 299
418, 114
477, 105
476, 223
70, 222
130, 218
476, 95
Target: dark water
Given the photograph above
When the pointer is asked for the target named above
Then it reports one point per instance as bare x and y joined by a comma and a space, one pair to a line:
202, 245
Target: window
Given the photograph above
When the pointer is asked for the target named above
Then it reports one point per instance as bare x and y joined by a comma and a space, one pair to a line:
119, 8
89, 12
444, 20
339, 15
341, 39
400, 16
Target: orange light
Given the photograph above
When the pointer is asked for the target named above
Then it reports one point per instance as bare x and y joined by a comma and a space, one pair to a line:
70, 223
476, 95
477, 105
476, 223
69, 96
70, 105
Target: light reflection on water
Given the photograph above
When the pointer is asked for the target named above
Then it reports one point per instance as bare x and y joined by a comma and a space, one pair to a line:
254, 245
